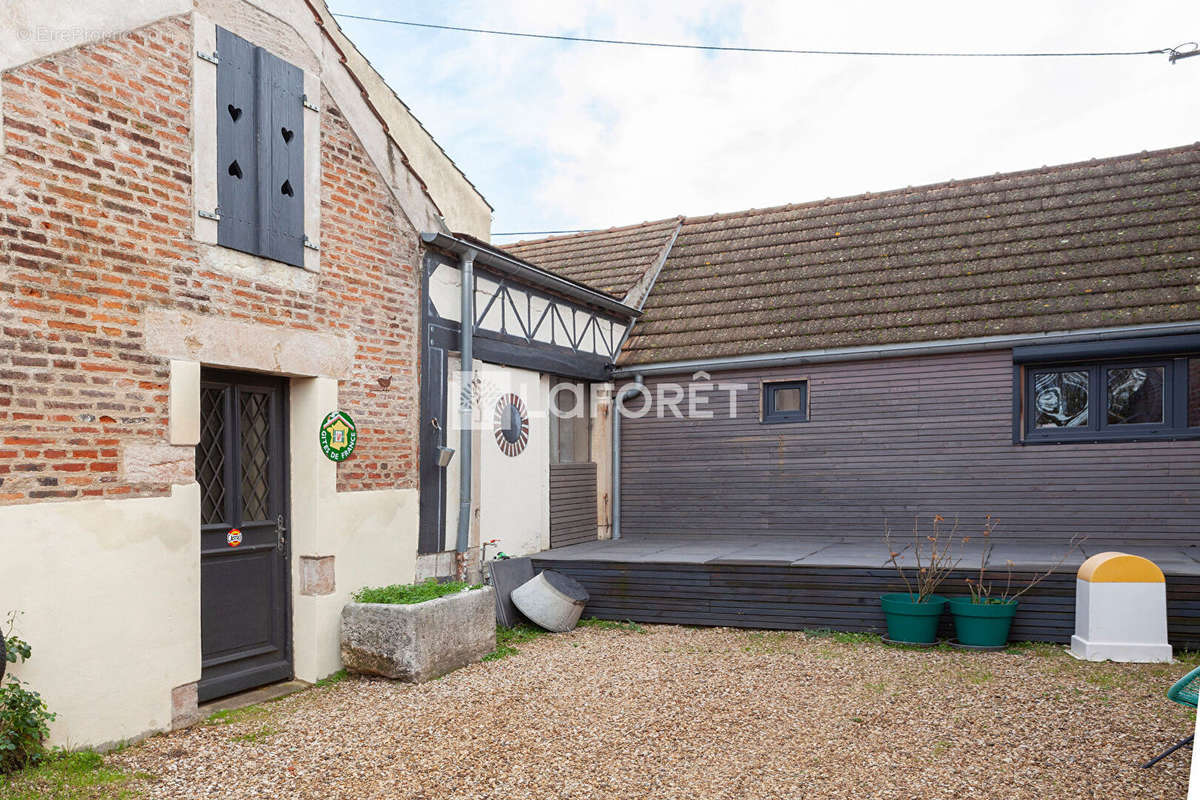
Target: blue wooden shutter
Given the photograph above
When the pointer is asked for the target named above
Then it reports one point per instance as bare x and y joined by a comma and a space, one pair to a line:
281, 198
237, 143
260, 151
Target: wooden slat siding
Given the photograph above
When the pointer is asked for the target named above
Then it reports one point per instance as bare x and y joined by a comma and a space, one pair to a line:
889, 439
840, 598
572, 504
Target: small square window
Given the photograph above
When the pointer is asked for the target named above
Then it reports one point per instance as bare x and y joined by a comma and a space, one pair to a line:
785, 401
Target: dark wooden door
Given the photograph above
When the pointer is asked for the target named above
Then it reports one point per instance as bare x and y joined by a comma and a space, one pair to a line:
241, 465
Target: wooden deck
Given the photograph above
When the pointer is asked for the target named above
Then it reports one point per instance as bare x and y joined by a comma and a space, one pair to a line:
799, 583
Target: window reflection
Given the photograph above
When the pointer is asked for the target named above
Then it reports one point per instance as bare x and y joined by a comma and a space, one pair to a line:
1061, 399
1135, 395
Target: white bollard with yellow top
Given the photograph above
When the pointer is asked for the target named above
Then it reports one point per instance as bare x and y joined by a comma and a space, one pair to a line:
1120, 610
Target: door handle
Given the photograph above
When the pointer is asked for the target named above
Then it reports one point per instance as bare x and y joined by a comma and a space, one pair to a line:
280, 532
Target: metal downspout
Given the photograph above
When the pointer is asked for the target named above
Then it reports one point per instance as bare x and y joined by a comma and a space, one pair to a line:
616, 458
465, 397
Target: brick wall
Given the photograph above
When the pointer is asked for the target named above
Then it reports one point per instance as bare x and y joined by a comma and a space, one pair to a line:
95, 228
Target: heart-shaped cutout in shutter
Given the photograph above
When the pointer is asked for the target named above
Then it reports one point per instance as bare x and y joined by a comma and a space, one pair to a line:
235, 170
287, 189
287, 135
234, 112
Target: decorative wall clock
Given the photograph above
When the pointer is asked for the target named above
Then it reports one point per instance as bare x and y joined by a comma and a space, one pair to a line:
511, 424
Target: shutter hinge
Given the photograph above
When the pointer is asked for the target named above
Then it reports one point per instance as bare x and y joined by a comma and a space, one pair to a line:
311, 245
310, 106
214, 58
213, 215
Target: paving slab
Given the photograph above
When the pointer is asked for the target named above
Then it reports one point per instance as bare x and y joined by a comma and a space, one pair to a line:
251, 697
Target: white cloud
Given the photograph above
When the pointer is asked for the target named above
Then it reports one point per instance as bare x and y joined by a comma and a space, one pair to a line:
571, 135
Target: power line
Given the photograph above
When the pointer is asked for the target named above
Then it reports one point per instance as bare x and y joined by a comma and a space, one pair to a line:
1175, 53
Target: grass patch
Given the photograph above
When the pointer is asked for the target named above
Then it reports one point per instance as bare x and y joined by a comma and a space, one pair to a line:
1039, 649
976, 675
629, 626
332, 680
71, 776
408, 593
257, 736
508, 638
234, 715
844, 637
1189, 657
769, 642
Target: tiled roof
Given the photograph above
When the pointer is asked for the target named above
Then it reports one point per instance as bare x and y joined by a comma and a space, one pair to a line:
612, 261
1093, 244
1102, 243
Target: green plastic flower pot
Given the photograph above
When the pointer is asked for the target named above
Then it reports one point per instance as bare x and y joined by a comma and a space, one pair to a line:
982, 624
912, 622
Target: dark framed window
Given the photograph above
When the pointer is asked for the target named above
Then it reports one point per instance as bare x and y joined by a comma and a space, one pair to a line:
1129, 399
785, 401
570, 422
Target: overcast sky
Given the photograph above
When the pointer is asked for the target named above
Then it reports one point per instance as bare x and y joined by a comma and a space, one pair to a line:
560, 135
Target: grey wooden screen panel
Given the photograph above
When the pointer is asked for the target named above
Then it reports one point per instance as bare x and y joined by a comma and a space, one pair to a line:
891, 438
282, 229
572, 504
237, 143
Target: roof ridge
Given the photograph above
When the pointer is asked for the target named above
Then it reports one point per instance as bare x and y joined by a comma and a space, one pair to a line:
946, 184
581, 234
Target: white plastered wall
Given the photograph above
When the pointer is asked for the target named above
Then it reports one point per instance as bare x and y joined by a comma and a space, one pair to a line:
110, 595
371, 535
515, 490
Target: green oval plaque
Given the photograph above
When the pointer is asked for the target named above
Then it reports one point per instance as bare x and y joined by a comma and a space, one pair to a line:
338, 436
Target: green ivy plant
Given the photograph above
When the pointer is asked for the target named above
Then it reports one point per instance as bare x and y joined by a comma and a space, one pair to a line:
24, 718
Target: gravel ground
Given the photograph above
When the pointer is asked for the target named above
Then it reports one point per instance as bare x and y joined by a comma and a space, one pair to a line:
701, 713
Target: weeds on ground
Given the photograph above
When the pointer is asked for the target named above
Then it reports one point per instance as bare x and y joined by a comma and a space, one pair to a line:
332, 680
764, 642
234, 715
1039, 649
628, 625
256, 736
975, 675
72, 776
844, 637
1191, 657
508, 638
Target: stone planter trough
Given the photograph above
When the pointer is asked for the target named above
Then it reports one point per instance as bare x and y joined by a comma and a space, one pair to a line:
420, 641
